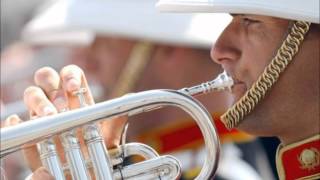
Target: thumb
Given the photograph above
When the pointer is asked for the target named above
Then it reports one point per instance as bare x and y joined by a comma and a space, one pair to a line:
42, 174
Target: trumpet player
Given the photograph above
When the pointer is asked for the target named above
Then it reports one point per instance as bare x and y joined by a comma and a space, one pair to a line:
274, 44
107, 54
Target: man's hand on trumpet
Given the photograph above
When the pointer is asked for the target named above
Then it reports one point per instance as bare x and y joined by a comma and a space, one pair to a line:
54, 93
40, 173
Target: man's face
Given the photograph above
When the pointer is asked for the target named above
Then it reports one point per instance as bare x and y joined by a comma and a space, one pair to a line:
247, 46
244, 49
183, 66
105, 59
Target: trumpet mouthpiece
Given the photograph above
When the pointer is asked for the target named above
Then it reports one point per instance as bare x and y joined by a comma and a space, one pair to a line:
222, 82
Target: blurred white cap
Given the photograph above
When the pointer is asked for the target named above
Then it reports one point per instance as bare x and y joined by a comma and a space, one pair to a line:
288, 9
77, 21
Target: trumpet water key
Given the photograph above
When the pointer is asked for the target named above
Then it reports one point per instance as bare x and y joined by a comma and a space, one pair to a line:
164, 167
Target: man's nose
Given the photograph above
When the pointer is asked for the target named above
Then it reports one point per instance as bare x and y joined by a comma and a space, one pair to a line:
226, 49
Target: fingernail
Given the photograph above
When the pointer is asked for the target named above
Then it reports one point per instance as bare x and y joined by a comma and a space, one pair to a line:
14, 119
73, 85
48, 110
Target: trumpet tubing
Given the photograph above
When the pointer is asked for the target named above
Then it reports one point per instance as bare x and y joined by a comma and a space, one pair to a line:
164, 167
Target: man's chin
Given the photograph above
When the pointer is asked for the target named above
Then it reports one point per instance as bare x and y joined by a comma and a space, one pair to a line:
238, 91
248, 127
254, 126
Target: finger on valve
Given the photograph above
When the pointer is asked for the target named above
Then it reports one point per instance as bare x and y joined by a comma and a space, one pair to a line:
40, 174
73, 81
11, 121
38, 105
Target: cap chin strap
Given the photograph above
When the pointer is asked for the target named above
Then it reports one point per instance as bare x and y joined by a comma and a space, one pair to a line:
131, 73
135, 66
269, 77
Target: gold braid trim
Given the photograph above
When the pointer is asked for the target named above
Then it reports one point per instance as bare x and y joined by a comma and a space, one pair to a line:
135, 66
267, 79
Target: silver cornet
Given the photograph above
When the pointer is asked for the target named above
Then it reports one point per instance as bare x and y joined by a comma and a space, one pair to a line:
108, 164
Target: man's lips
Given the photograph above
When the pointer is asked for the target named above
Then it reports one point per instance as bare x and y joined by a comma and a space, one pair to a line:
239, 87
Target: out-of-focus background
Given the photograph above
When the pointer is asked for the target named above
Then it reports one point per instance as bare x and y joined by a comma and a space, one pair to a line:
19, 61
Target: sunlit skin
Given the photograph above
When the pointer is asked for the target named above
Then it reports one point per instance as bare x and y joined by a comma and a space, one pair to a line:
42, 173
290, 110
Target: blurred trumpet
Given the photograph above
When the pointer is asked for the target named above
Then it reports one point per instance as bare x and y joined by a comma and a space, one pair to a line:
103, 161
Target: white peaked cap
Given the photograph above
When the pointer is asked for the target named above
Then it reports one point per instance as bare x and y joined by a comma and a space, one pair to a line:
73, 21
303, 10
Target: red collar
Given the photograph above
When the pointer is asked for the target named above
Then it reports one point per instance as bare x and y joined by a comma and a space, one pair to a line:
300, 160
